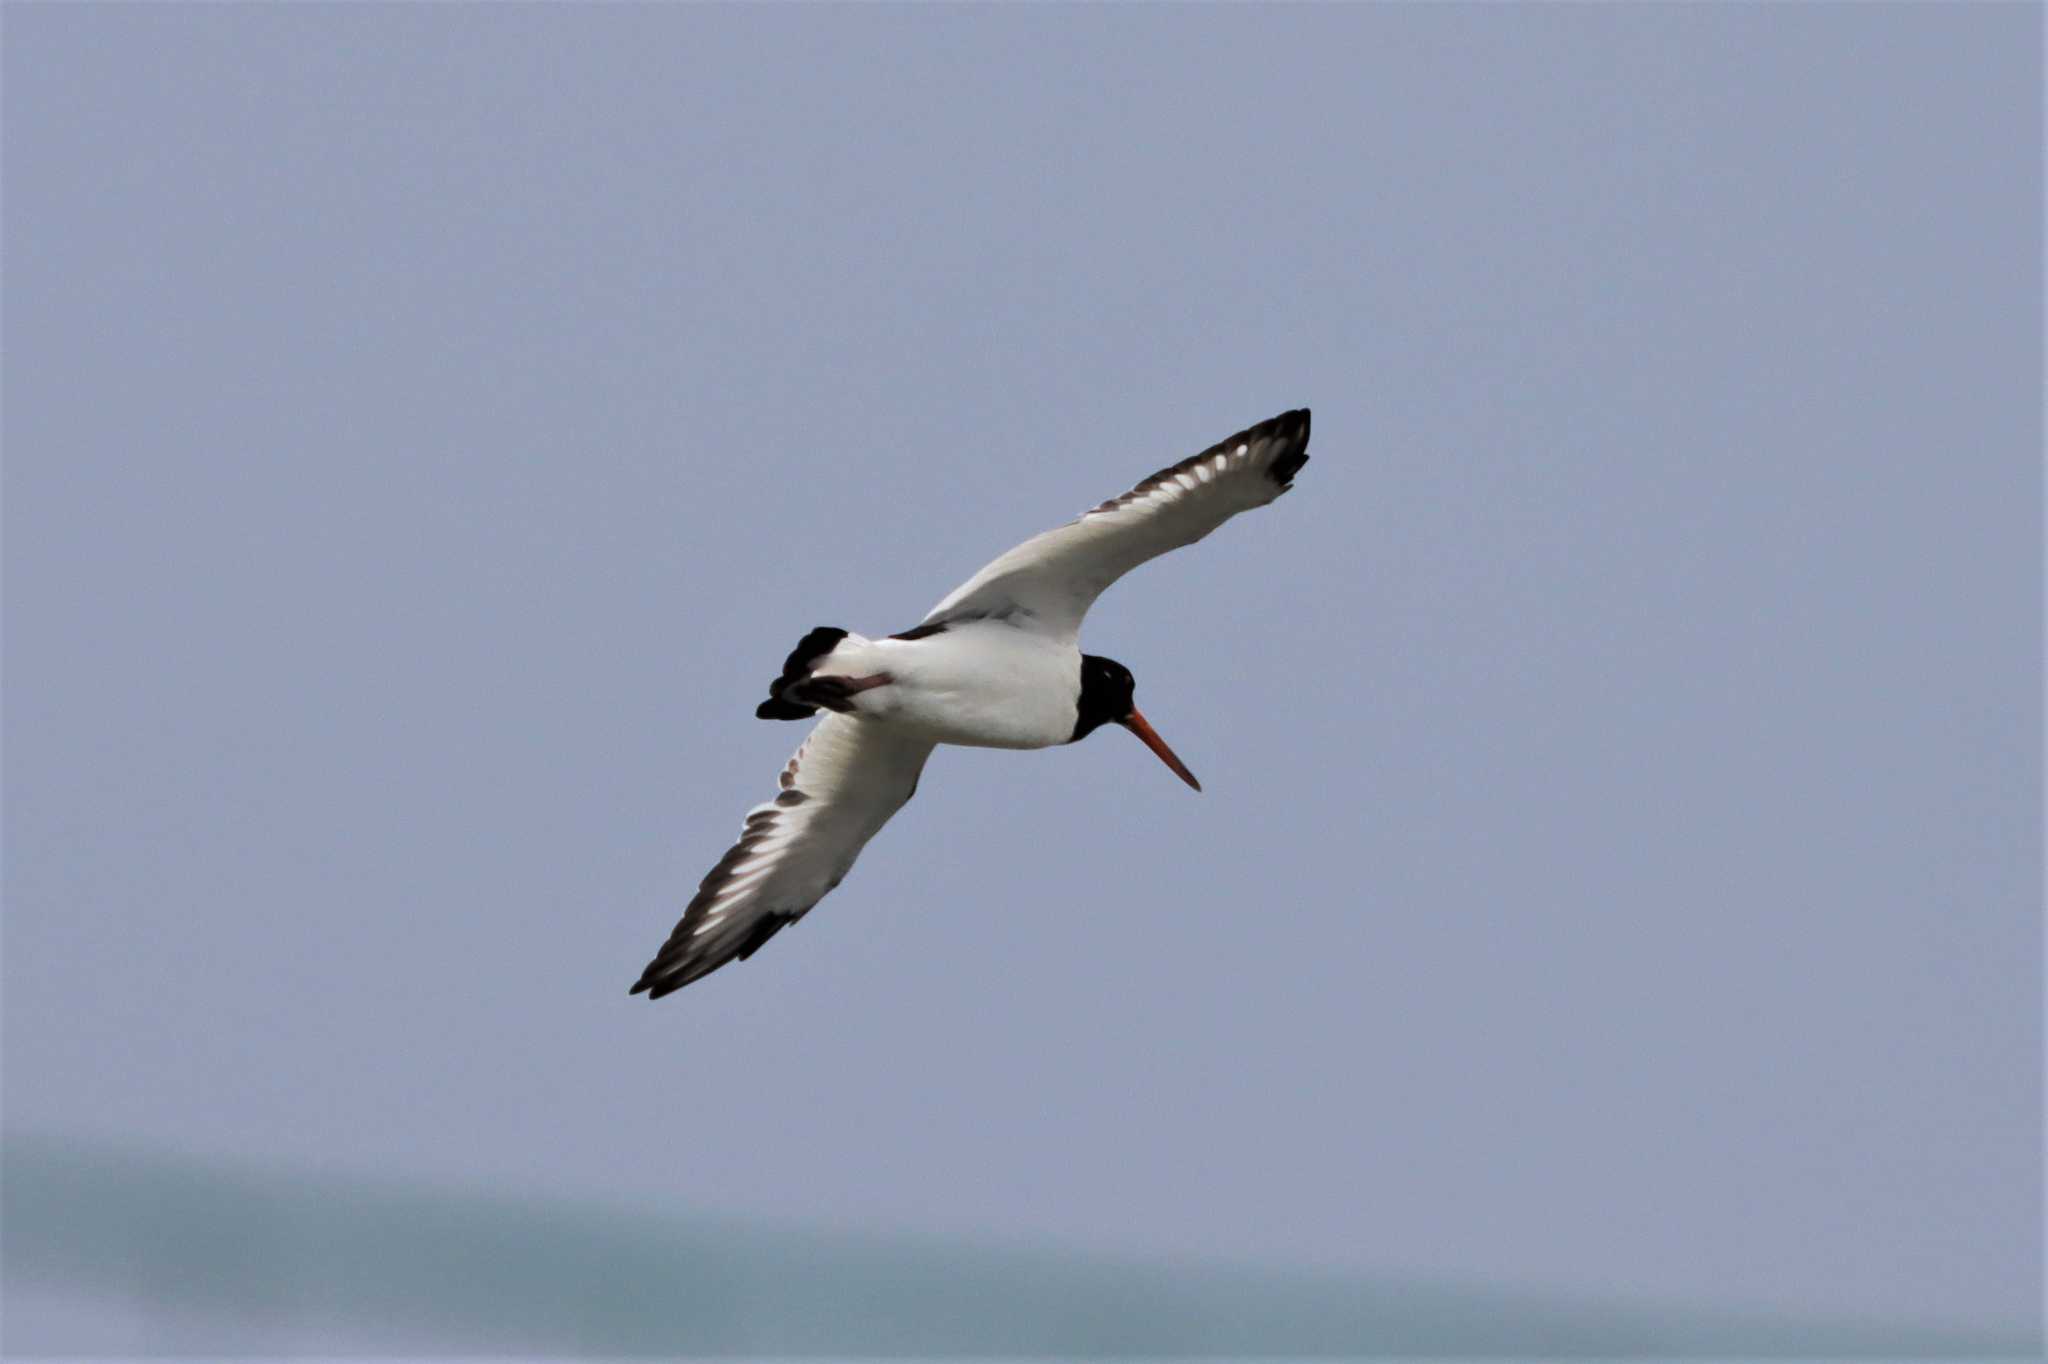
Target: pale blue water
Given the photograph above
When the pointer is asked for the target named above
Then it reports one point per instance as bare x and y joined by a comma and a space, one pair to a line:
121, 1255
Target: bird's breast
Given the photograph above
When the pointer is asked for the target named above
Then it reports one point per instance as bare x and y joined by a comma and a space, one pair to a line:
984, 685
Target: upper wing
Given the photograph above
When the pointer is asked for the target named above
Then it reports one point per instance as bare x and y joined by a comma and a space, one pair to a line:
847, 778
1049, 582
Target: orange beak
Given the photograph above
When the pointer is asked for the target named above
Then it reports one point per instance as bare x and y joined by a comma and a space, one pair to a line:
1135, 723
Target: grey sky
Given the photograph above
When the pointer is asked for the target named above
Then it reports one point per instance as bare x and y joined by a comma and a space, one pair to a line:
1620, 864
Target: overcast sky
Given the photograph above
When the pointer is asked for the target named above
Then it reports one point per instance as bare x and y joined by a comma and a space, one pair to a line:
1619, 863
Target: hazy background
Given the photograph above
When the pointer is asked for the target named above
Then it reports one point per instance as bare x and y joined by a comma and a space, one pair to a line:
1619, 874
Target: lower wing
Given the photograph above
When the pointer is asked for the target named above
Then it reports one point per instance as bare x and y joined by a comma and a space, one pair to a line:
849, 776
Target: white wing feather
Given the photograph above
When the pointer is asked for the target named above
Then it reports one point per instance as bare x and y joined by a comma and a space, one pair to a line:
1048, 583
847, 778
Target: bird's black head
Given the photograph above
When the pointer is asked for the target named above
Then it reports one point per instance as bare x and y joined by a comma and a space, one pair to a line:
1107, 688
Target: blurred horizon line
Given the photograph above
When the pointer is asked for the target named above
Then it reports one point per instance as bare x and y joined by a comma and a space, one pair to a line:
228, 1256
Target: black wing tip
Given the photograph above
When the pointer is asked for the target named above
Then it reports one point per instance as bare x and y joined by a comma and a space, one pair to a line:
673, 977
1292, 424
1292, 427
676, 972
675, 965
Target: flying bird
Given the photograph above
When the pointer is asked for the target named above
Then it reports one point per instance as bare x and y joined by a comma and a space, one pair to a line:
997, 664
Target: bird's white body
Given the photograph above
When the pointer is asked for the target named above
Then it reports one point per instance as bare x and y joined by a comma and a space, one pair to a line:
984, 684
996, 664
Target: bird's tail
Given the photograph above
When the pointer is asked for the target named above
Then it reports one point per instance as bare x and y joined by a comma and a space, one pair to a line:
797, 694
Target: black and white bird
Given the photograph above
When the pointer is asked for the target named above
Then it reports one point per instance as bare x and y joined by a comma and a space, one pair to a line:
997, 664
